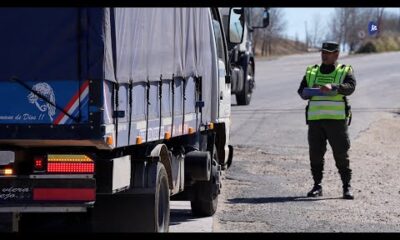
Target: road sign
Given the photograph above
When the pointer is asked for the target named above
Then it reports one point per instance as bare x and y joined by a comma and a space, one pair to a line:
372, 28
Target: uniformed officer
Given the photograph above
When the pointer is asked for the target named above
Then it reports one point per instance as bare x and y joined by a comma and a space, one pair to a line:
328, 116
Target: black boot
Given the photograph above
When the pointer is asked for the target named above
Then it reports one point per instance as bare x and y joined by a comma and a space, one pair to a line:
315, 191
347, 193
345, 175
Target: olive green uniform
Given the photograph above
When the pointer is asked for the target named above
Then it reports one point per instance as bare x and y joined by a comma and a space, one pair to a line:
334, 130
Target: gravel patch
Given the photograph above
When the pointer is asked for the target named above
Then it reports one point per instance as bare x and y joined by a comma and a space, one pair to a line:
265, 188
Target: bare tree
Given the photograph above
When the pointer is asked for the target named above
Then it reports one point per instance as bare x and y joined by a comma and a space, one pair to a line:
296, 40
307, 34
345, 25
391, 23
266, 37
335, 26
352, 29
398, 24
317, 30
379, 17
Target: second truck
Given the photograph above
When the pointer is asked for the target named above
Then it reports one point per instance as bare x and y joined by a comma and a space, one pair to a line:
241, 50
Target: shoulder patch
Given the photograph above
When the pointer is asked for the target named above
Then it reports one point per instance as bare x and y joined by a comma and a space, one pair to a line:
349, 69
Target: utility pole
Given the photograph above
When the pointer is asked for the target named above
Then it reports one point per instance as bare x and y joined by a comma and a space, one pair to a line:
379, 21
398, 24
305, 23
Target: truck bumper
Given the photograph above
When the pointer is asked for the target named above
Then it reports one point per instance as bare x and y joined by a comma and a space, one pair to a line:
55, 194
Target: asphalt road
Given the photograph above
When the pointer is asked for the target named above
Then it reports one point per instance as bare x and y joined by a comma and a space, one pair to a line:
275, 116
266, 186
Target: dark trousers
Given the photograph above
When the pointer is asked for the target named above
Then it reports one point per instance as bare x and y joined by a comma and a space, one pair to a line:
335, 131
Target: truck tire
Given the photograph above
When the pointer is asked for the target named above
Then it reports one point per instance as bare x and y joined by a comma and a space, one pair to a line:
202, 207
148, 212
244, 96
205, 200
162, 201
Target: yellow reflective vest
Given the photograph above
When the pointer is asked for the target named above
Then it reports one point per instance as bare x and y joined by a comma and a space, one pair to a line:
326, 107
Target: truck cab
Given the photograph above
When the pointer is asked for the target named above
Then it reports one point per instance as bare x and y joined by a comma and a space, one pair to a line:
242, 23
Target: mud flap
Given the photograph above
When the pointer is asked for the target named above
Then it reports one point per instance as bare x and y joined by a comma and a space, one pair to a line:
143, 209
230, 156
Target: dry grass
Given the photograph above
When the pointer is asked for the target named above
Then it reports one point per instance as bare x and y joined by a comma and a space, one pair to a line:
281, 46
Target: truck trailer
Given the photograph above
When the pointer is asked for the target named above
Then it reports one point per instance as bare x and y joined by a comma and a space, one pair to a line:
106, 114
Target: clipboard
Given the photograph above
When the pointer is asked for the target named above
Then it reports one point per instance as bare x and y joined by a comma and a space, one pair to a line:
310, 92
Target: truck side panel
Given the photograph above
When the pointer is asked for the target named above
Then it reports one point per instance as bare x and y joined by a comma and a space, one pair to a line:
83, 97
178, 97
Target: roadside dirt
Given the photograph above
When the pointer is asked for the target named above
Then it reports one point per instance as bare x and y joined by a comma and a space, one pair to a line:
264, 190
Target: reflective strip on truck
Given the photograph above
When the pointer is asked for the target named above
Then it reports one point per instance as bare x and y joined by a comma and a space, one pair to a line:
64, 194
72, 106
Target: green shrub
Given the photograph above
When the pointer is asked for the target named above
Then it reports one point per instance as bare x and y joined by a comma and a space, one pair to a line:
386, 42
392, 45
368, 47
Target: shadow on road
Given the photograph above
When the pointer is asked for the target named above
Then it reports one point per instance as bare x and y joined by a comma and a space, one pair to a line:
277, 199
179, 216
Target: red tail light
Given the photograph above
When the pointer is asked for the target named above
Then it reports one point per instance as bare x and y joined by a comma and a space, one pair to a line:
60, 163
65, 167
39, 163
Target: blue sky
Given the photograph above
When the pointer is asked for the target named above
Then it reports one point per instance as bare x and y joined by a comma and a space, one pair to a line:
296, 18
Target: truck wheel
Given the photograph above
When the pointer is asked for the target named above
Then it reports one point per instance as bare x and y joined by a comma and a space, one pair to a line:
206, 204
147, 212
162, 201
244, 96
206, 193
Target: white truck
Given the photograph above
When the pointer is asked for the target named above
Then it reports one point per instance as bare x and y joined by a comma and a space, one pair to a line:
108, 113
241, 48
